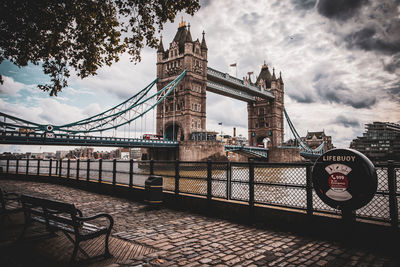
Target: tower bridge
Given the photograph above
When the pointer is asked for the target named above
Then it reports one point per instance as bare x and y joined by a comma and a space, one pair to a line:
184, 112
183, 78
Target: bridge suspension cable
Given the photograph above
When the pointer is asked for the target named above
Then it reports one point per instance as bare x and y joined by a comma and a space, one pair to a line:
124, 113
304, 148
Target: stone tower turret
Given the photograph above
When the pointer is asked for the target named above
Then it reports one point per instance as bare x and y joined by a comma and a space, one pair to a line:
265, 117
184, 111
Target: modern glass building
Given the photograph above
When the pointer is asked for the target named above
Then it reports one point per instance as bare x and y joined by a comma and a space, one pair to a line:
380, 142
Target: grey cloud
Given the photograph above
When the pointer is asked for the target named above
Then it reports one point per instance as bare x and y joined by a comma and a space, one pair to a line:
339, 9
205, 3
46, 117
331, 90
394, 65
302, 97
250, 18
367, 39
304, 4
294, 40
371, 25
394, 92
346, 122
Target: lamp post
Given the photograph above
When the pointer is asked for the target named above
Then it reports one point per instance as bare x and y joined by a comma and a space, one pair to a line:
220, 123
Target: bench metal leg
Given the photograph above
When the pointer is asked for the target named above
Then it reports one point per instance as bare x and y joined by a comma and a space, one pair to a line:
107, 253
76, 247
76, 242
26, 225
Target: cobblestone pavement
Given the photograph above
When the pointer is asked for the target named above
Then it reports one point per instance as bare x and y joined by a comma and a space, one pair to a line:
186, 239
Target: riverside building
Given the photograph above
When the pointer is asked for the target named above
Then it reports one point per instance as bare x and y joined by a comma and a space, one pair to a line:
380, 142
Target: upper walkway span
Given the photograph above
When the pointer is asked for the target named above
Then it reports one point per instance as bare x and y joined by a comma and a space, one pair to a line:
227, 85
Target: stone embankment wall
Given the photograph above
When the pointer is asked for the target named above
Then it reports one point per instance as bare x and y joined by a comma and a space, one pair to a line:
284, 155
201, 151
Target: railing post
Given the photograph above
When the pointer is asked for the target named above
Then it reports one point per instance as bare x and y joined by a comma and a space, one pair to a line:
177, 177
88, 170
38, 167
114, 181
151, 167
8, 166
131, 173
309, 188
209, 183
393, 206
251, 190
68, 167
56, 167
27, 166
100, 169
59, 171
16, 166
50, 166
77, 169
228, 180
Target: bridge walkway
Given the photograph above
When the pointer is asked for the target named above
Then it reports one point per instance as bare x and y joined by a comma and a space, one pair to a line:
168, 237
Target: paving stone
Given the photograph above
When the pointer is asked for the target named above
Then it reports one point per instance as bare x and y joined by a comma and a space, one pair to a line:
206, 260
227, 258
321, 263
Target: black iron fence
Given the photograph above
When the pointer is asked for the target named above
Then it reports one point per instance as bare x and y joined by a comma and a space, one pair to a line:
285, 185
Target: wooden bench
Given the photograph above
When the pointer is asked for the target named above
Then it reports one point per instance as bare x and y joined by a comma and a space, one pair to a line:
65, 217
10, 203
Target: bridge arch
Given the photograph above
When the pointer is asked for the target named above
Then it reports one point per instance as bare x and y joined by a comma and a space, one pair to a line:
174, 131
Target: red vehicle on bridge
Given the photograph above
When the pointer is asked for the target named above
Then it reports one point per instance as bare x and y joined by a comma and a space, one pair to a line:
153, 137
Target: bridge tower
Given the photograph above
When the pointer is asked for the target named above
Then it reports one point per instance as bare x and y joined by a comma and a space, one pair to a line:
184, 111
265, 116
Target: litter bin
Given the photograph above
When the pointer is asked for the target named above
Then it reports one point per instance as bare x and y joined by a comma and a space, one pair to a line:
153, 190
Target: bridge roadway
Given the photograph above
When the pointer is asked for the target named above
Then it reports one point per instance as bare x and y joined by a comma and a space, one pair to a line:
80, 140
182, 238
224, 84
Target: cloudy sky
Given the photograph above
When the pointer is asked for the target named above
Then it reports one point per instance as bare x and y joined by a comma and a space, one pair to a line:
340, 62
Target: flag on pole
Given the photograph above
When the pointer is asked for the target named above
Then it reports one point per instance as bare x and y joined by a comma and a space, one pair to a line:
233, 65
250, 72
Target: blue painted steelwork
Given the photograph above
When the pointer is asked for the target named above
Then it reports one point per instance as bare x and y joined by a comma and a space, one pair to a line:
113, 118
248, 150
224, 84
79, 140
305, 150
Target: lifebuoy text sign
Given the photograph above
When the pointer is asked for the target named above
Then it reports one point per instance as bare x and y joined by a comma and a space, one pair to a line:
344, 179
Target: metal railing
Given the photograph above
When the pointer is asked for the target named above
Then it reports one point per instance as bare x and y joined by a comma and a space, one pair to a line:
284, 185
